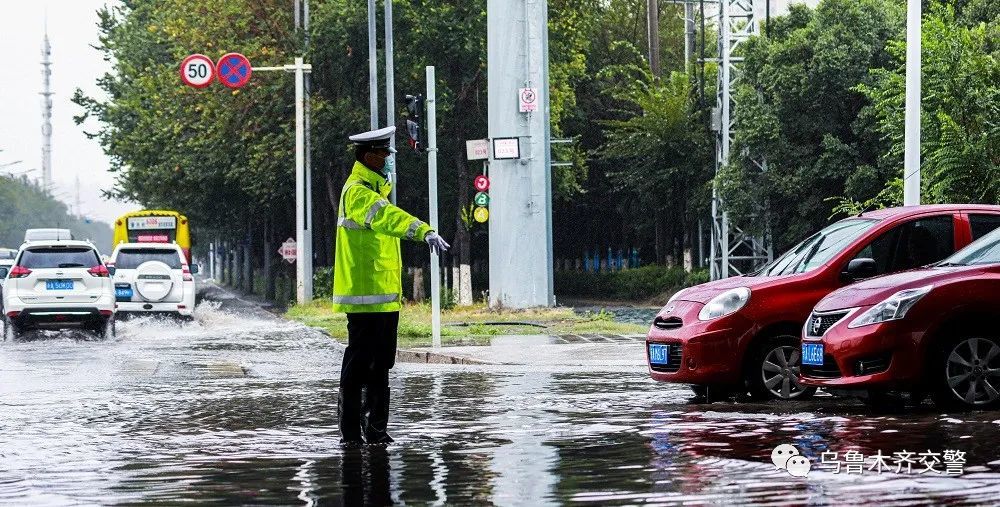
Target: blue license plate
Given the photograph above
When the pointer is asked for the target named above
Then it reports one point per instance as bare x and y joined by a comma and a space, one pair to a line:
124, 293
812, 354
659, 354
58, 284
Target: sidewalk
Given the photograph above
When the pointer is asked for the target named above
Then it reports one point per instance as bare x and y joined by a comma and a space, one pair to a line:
571, 350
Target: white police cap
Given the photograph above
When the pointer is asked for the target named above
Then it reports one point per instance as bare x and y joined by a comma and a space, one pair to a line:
375, 138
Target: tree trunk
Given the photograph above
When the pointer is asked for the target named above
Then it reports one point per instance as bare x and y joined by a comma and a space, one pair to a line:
659, 240
418, 285
268, 241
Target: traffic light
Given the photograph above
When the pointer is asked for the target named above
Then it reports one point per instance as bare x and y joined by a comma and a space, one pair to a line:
415, 122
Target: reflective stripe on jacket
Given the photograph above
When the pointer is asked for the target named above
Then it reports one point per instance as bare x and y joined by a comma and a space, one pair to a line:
367, 275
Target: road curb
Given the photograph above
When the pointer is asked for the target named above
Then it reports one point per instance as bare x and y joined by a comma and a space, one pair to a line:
414, 356
423, 356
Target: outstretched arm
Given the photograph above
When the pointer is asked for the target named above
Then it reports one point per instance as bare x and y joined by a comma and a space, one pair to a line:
369, 210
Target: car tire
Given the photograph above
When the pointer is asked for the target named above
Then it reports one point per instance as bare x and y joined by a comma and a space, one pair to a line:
966, 373
772, 371
107, 329
10, 330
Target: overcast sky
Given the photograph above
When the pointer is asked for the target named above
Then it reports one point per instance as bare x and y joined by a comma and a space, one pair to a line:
72, 26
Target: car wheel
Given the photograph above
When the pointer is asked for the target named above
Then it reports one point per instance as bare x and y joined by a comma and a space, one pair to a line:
10, 330
969, 374
773, 371
106, 330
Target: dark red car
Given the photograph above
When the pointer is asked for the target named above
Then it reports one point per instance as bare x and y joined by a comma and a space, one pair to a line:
744, 332
931, 330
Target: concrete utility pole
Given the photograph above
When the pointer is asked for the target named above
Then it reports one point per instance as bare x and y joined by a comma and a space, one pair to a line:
911, 135
521, 188
46, 113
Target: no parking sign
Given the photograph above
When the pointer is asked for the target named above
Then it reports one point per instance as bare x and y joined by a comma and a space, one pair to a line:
234, 70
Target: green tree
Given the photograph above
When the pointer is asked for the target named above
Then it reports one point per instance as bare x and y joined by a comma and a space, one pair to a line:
960, 131
799, 111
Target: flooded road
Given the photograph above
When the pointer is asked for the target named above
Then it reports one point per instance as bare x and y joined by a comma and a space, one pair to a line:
239, 407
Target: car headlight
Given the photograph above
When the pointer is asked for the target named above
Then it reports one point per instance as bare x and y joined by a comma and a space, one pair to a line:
724, 304
893, 308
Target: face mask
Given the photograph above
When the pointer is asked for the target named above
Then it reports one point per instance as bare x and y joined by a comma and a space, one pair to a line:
390, 165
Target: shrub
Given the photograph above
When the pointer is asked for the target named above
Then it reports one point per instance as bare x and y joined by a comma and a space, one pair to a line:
631, 284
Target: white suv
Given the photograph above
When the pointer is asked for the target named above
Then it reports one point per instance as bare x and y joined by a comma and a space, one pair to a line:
58, 284
153, 278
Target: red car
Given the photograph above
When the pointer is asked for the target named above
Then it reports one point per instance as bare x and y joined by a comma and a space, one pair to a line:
931, 330
744, 332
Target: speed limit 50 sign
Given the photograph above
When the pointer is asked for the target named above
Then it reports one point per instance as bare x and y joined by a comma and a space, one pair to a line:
197, 71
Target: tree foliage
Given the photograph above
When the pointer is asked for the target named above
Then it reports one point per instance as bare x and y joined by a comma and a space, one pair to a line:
960, 117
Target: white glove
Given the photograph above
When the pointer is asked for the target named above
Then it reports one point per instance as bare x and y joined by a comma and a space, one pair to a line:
437, 243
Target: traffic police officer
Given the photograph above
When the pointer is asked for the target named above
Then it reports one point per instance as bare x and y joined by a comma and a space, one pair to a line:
367, 285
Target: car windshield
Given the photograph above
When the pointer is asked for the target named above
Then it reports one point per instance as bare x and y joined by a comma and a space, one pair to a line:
132, 258
985, 250
59, 257
818, 248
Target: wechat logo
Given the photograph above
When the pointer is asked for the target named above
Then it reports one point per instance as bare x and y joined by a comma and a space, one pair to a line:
788, 458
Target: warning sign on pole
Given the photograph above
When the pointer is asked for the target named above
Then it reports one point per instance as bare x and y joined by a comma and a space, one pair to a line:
527, 99
482, 183
288, 250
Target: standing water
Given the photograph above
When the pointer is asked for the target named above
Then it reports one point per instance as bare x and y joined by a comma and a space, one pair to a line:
239, 407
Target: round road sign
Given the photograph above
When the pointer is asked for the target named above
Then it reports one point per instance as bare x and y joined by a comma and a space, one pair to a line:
482, 183
234, 70
481, 214
482, 199
197, 71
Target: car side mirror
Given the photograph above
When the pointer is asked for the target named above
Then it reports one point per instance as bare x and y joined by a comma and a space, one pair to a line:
111, 270
194, 269
859, 269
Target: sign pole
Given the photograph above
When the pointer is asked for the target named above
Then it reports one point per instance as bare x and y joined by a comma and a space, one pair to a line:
433, 201
372, 66
390, 93
303, 254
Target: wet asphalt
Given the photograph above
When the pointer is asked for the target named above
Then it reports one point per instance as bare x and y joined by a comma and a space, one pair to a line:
238, 407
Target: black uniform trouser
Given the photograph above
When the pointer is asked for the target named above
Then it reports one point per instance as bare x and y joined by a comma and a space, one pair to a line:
370, 354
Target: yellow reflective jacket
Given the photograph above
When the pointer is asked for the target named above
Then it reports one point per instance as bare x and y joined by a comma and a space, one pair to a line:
367, 274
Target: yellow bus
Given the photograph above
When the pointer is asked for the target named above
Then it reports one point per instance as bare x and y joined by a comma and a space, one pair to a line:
154, 226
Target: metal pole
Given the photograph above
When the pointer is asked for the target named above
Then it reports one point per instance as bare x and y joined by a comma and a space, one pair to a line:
653, 32
390, 93
303, 283
911, 153
372, 66
211, 260
432, 191
308, 148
